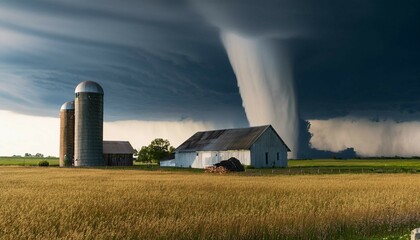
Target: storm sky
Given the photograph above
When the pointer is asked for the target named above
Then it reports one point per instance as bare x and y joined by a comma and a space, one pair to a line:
167, 63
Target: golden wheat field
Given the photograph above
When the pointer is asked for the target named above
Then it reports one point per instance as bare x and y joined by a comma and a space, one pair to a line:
51, 203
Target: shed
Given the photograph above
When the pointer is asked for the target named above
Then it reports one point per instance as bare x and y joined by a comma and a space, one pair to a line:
118, 153
259, 147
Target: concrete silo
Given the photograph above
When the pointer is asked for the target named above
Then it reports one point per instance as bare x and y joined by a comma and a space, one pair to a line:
89, 104
66, 134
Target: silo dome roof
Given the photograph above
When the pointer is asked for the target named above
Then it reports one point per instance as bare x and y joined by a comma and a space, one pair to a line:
67, 106
89, 86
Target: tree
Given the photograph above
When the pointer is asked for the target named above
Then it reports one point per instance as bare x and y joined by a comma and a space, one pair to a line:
144, 154
67, 161
156, 150
171, 149
159, 148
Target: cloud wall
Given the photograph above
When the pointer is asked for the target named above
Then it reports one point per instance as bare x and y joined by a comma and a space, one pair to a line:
368, 138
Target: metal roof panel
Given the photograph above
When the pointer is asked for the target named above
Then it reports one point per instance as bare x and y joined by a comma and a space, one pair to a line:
225, 139
117, 147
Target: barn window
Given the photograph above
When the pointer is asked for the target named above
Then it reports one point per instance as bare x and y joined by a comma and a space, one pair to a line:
278, 156
266, 158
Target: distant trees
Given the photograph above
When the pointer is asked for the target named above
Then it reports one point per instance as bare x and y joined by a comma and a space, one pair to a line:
156, 150
38, 155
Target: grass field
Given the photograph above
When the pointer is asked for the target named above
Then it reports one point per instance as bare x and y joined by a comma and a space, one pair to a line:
334, 163
26, 161
321, 163
50, 203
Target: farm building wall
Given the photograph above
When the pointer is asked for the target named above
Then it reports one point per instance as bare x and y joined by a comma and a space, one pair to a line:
244, 156
268, 151
203, 159
185, 159
167, 163
209, 158
118, 159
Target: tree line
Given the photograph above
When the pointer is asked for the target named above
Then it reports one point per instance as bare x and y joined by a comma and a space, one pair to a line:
37, 155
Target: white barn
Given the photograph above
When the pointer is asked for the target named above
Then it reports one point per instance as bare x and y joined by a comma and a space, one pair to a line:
260, 147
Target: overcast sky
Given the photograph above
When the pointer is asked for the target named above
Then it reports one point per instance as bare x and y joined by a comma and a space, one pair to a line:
169, 63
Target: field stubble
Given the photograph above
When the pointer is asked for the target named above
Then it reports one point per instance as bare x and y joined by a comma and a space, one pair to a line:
46, 203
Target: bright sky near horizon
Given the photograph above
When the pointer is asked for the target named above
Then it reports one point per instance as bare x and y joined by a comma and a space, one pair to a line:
22, 134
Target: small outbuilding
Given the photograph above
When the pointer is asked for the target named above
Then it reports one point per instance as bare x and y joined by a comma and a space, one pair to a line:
260, 147
168, 161
118, 153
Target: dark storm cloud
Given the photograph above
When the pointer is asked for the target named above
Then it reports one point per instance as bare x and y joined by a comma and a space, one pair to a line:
367, 63
349, 57
155, 60
164, 59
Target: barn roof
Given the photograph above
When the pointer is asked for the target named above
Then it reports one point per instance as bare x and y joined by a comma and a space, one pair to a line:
117, 147
226, 139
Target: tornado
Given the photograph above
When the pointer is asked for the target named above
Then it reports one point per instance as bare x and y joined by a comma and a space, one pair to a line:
265, 81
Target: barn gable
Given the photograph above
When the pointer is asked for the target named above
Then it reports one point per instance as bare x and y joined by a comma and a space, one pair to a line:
268, 151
